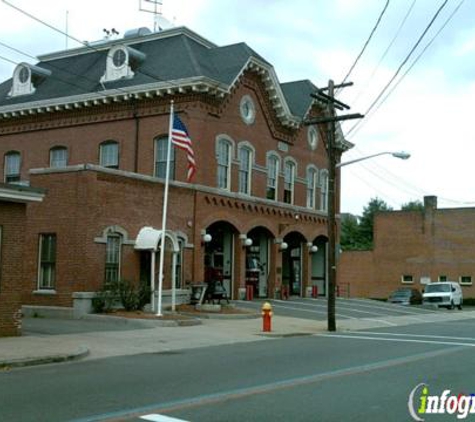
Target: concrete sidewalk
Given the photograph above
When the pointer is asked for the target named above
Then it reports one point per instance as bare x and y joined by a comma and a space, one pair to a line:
119, 338
143, 337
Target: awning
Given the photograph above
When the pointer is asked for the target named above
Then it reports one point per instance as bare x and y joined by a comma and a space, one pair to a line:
149, 238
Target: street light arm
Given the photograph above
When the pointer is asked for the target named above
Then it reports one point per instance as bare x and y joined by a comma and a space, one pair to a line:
402, 155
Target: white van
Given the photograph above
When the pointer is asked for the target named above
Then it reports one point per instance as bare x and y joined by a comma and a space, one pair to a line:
446, 294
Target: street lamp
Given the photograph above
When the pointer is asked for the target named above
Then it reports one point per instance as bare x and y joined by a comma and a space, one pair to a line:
400, 154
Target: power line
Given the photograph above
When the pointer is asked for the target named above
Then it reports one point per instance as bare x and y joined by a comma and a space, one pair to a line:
373, 104
413, 63
8, 60
401, 25
86, 44
400, 183
367, 41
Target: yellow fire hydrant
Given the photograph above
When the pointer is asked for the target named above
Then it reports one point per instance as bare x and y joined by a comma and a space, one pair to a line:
266, 317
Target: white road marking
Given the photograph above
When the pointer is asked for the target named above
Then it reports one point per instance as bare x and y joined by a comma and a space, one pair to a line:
312, 311
402, 340
160, 418
413, 335
382, 321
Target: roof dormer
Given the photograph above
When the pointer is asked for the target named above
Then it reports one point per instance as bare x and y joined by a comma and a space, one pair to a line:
121, 63
25, 79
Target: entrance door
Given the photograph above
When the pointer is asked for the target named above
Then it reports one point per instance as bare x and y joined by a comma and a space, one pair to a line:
295, 275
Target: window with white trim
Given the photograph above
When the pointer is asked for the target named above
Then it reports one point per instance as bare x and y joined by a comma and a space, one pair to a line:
465, 280
122, 62
161, 145
109, 154
47, 262
245, 170
407, 279
113, 257
273, 164
224, 164
312, 175
58, 157
289, 181
12, 166
324, 190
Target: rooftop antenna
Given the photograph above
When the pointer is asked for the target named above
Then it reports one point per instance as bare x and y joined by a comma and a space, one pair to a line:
67, 28
155, 7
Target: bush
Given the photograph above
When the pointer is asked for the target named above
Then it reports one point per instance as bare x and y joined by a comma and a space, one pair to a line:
130, 296
105, 298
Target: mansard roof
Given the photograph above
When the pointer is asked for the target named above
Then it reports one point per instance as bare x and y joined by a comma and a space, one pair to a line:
176, 61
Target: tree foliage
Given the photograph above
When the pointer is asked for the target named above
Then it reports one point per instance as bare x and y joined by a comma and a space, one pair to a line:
413, 206
357, 233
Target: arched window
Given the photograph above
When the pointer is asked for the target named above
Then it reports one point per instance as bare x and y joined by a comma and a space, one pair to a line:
324, 190
273, 167
224, 154
311, 186
12, 166
245, 169
109, 154
161, 145
58, 157
289, 181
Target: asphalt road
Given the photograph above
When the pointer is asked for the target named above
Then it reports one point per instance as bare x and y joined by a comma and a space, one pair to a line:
345, 308
345, 376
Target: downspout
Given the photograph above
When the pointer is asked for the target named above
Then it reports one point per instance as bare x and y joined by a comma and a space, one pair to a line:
136, 119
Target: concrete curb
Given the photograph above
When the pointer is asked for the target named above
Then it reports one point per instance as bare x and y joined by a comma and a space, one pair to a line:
142, 323
211, 315
81, 352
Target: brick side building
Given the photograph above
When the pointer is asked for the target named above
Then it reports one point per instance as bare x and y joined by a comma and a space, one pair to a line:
90, 126
13, 205
413, 248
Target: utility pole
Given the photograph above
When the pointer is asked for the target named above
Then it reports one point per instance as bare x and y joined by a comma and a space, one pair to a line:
330, 120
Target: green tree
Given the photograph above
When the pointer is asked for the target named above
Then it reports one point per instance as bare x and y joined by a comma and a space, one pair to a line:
413, 206
349, 237
357, 234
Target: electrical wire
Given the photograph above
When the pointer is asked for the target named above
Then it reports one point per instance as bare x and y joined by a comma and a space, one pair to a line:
396, 35
411, 66
366, 43
382, 92
85, 44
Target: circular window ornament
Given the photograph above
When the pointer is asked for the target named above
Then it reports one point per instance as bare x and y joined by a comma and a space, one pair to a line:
312, 138
248, 110
24, 75
119, 58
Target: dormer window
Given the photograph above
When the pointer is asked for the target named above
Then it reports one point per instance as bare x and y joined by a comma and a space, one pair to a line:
26, 77
119, 58
121, 63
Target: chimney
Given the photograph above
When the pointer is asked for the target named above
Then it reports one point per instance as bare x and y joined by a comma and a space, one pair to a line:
430, 206
430, 203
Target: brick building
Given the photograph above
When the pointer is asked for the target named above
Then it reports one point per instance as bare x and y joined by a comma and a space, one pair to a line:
13, 205
90, 126
413, 248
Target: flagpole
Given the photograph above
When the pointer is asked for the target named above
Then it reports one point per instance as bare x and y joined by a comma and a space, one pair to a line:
164, 214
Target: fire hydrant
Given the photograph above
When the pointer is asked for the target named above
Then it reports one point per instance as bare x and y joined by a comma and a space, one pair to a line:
266, 317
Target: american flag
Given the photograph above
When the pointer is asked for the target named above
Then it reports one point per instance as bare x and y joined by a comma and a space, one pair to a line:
182, 140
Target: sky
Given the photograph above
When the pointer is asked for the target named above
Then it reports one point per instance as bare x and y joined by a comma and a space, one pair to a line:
426, 110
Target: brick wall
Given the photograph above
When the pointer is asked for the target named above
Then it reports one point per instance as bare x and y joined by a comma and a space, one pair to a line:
12, 226
422, 244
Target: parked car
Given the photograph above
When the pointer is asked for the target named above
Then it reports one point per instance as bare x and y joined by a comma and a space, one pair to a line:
406, 296
446, 294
